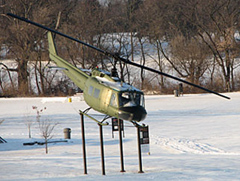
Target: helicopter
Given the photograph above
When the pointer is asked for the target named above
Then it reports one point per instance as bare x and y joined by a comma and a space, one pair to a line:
104, 91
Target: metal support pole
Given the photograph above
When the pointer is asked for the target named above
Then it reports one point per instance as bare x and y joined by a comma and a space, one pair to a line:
83, 144
102, 148
139, 151
121, 146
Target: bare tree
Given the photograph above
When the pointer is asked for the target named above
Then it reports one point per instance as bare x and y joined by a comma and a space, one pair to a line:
38, 112
152, 22
20, 40
46, 127
10, 88
84, 23
190, 58
216, 23
28, 122
26, 43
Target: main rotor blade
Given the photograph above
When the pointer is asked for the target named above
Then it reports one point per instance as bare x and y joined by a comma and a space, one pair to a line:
59, 33
172, 77
117, 56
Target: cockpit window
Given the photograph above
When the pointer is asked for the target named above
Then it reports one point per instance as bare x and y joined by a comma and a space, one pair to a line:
131, 99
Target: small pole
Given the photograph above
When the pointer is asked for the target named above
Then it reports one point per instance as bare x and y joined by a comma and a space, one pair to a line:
83, 144
102, 148
139, 151
121, 146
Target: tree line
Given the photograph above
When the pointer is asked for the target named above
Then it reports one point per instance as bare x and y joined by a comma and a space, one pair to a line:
195, 40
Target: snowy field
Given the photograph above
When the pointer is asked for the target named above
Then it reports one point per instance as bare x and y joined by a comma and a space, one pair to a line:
194, 137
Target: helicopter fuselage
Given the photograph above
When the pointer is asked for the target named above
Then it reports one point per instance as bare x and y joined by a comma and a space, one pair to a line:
103, 92
110, 96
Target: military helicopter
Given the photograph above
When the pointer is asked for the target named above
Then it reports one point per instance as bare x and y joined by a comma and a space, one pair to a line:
103, 91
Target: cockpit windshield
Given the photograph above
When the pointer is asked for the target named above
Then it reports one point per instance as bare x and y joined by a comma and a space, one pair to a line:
131, 99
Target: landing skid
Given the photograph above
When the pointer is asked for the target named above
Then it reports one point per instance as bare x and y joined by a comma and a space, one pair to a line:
99, 122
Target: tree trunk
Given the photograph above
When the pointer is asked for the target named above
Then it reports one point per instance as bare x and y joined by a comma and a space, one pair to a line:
160, 64
46, 146
10, 78
36, 79
143, 62
22, 78
29, 131
228, 72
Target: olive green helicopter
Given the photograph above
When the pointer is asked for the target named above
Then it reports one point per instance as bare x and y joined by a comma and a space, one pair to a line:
103, 91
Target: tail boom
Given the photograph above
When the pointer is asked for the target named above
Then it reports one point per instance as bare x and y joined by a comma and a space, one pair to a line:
78, 76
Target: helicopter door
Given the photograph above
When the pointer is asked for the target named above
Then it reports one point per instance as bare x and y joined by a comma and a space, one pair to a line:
106, 96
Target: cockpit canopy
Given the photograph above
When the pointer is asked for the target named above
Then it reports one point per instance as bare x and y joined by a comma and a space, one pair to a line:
131, 98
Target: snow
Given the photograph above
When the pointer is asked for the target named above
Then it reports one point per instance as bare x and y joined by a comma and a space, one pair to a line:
194, 137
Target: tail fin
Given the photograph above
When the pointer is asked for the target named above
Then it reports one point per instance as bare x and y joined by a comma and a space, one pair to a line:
51, 44
76, 75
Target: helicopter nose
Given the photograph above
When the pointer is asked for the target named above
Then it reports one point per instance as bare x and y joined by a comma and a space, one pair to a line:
132, 113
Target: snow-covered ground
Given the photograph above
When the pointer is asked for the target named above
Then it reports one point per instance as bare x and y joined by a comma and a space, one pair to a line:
194, 137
